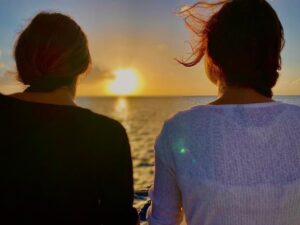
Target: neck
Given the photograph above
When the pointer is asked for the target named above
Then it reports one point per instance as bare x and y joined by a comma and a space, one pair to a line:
239, 95
60, 96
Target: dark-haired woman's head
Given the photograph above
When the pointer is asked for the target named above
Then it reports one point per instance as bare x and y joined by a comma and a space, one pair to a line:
51, 52
242, 41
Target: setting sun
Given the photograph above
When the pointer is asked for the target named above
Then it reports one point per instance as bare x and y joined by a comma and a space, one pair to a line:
126, 82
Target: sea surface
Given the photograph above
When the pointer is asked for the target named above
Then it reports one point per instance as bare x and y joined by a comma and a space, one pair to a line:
143, 118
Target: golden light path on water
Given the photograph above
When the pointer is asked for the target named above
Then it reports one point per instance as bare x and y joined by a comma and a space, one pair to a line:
121, 104
121, 111
136, 137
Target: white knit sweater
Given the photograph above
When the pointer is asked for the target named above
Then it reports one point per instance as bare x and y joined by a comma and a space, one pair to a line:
229, 165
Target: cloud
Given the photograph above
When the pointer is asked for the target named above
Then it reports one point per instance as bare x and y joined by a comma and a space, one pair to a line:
0, 53
95, 82
97, 74
9, 83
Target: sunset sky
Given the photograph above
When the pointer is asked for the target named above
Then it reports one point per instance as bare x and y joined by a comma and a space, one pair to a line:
137, 41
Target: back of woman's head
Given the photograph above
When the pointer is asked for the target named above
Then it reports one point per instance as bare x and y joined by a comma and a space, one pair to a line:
51, 52
243, 39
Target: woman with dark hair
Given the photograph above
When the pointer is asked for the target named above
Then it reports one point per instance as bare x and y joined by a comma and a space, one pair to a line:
60, 164
235, 161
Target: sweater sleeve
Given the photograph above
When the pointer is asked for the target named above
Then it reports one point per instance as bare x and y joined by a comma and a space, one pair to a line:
117, 198
165, 194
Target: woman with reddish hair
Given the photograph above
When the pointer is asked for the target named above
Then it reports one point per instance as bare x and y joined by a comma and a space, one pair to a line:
235, 161
60, 164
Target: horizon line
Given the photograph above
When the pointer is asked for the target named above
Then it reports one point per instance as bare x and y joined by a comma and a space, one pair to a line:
161, 96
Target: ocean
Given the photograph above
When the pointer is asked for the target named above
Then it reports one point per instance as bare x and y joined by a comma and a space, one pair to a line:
143, 118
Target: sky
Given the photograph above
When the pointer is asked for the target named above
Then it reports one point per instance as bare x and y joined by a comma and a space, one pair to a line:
137, 38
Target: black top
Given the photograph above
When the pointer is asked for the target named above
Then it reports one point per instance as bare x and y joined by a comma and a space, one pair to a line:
63, 165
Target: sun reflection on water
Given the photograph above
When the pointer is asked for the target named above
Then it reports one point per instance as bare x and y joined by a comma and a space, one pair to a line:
121, 109
121, 104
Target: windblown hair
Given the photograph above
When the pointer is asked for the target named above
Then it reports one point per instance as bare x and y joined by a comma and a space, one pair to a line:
242, 38
51, 52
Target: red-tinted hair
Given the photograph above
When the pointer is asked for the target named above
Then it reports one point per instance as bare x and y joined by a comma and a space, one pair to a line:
51, 52
242, 38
